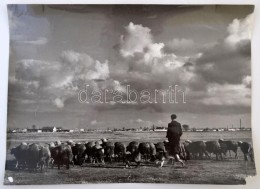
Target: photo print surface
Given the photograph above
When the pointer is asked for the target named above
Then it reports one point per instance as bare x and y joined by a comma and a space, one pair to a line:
129, 94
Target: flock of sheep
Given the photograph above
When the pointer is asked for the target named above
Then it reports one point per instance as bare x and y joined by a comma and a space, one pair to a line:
35, 156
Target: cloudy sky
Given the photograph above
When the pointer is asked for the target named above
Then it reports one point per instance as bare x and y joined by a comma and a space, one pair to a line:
55, 51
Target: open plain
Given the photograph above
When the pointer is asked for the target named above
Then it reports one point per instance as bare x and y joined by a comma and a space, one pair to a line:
227, 171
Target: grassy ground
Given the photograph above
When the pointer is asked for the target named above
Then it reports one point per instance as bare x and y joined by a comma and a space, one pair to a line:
228, 171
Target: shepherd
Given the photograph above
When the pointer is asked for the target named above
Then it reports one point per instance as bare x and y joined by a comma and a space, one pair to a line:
174, 133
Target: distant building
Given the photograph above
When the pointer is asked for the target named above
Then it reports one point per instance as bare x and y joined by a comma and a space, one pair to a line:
63, 130
76, 130
49, 129
17, 131
32, 130
24, 130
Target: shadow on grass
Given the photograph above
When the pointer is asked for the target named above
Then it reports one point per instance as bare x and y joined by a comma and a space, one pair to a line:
11, 166
133, 165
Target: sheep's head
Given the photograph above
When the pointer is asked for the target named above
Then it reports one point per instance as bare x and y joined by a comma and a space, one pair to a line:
58, 143
239, 143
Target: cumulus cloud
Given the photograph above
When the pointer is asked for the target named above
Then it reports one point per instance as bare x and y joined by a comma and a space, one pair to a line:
210, 67
211, 76
58, 102
181, 46
240, 30
138, 42
84, 66
59, 80
227, 94
247, 81
144, 56
136, 39
119, 87
101, 71
229, 60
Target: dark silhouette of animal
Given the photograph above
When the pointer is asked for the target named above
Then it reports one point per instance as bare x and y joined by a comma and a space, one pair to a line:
231, 146
21, 155
195, 149
132, 147
133, 154
108, 150
247, 150
33, 156
45, 157
144, 149
119, 151
54, 154
89, 150
79, 151
62, 155
215, 148
223, 149
98, 154
184, 154
152, 151
134, 157
160, 147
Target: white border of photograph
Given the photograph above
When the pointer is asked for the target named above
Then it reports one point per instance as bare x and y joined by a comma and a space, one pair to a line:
253, 182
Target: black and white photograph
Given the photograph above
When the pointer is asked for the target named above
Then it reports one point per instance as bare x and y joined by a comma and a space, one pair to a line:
129, 94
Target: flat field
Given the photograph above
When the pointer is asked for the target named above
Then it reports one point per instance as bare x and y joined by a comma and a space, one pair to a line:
227, 171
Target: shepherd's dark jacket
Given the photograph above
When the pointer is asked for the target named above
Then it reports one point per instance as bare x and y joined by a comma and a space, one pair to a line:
174, 131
